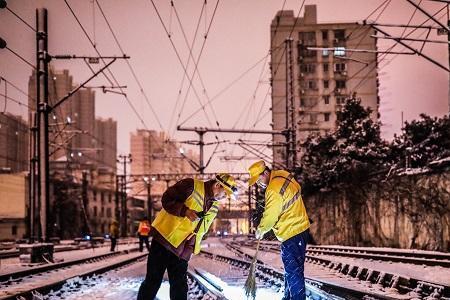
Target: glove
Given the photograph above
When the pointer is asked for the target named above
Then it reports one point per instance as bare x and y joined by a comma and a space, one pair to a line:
258, 235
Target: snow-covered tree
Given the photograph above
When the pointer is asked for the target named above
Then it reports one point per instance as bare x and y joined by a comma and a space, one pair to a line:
423, 141
350, 153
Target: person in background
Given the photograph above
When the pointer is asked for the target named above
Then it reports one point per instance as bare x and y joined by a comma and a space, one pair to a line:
285, 214
114, 234
143, 232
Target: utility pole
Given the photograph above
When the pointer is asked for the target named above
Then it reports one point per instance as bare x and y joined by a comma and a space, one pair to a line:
84, 197
32, 184
124, 159
148, 183
288, 135
42, 59
291, 128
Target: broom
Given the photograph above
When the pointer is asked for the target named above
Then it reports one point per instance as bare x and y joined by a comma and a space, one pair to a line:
250, 283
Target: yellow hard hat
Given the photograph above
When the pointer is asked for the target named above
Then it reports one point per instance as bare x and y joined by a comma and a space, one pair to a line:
228, 183
255, 170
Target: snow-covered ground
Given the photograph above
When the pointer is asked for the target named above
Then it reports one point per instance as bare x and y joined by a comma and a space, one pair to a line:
48, 278
119, 284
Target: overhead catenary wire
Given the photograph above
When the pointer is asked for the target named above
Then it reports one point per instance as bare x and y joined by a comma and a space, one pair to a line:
21, 19
195, 61
179, 57
383, 56
184, 75
196, 72
226, 88
141, 89
16, 101
20, 57
16, 87
112, 75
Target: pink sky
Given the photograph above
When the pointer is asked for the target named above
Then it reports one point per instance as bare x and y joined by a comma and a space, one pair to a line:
239, 37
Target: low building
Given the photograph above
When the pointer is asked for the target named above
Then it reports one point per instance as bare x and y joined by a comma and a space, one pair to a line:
13, 206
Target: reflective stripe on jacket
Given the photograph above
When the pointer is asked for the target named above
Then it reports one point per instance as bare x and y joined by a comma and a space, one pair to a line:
284, 210
177, 229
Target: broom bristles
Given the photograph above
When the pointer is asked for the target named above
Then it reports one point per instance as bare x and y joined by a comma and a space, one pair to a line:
250, 283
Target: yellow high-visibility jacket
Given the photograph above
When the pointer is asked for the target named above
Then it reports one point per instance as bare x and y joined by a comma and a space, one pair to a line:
284, 210
177, 229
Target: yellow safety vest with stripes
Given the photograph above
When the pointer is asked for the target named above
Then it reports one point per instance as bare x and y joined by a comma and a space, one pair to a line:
284, 210
177, 229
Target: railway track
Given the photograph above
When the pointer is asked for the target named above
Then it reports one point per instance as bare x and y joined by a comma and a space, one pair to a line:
61, 280
408, 257
268, 276
4, 254
383, 281
44, 279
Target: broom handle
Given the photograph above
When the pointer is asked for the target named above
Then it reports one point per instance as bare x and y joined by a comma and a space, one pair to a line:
257, 248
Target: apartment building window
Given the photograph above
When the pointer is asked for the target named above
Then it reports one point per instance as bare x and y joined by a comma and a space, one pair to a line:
102, 213
325, 35
308, 68
326, 99
339, 35
308, 102
109, 198
307, 38
326, 117
340, 67
95, 211
326, 84
108, 212
340, 99
325, 52
102, 197
313, 118
325, 67
94, 195
340, 84
312, 85
14, 230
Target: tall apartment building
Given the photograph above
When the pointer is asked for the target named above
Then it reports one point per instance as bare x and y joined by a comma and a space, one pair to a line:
81, 134
13, 143
322, 79
153, 153
106, 142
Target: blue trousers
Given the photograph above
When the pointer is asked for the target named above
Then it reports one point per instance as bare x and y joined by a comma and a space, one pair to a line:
293, 256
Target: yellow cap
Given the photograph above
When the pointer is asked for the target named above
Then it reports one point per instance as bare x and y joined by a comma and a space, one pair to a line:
228, 183
255, 170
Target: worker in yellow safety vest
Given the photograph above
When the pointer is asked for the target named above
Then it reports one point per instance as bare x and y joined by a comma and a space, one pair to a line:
143, 232
188, 210
284, 214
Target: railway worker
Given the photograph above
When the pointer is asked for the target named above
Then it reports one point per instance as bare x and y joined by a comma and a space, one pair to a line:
285, 214
143, 232
189, 208
114, 234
